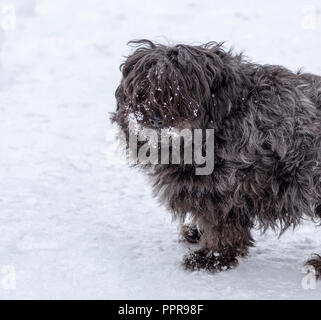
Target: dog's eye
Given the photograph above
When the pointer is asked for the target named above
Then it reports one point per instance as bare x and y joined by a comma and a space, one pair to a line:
140, 97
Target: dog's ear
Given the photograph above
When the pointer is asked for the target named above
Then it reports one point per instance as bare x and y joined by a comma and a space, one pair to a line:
218, 106
225, 85
225, 93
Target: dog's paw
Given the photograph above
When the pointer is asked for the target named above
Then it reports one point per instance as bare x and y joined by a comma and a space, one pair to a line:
190, 233
315, 262
209, 261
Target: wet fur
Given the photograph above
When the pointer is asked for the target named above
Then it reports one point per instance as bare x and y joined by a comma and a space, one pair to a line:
267, 123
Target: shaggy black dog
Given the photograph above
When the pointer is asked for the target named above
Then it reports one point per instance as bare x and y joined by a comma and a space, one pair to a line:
267, 123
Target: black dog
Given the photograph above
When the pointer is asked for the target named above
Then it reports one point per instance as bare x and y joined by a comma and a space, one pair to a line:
267, 123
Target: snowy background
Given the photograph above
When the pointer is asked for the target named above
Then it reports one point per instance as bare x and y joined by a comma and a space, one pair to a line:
75, 222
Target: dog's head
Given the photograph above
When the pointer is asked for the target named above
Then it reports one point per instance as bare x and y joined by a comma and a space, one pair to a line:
172, 86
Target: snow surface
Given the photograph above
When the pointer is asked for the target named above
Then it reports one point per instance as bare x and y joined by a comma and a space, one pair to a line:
75, 221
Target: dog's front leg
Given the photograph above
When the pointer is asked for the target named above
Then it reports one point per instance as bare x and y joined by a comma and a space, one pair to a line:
222, 242
191, 233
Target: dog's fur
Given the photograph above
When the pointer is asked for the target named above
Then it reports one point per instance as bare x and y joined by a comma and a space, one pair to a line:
267, 123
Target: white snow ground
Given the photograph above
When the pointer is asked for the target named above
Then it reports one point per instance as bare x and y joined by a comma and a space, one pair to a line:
74, 221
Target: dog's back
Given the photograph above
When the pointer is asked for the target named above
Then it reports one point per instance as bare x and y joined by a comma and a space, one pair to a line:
312, 84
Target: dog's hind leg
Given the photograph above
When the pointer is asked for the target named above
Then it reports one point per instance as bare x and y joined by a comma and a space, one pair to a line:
315, 260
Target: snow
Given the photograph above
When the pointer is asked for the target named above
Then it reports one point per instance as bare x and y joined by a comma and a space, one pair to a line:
75, 221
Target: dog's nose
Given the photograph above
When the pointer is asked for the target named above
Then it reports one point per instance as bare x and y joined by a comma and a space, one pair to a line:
156, 122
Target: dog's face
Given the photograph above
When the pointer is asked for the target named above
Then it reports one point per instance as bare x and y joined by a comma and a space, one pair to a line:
167, 87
